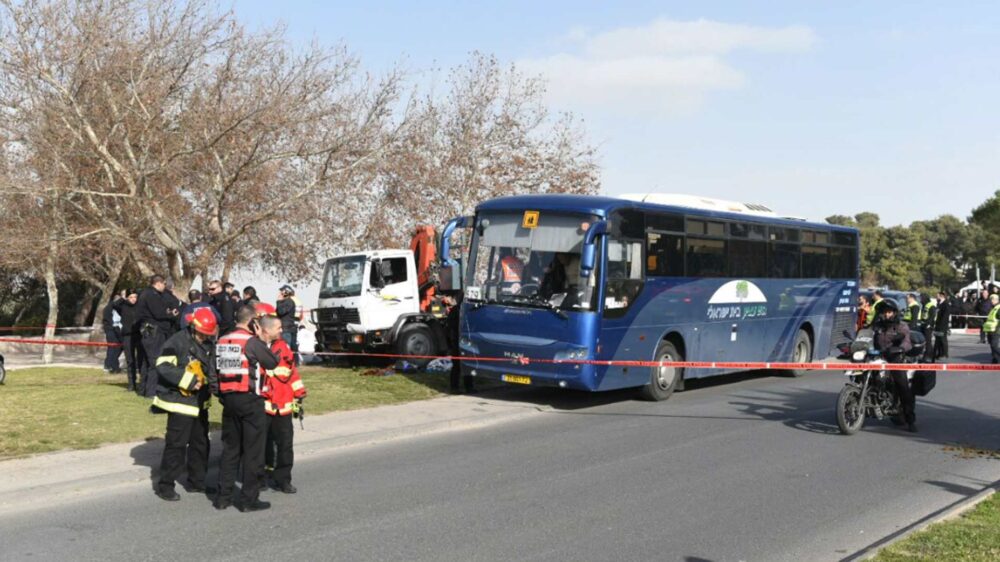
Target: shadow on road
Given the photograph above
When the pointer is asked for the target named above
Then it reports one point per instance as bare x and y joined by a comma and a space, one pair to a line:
148, 454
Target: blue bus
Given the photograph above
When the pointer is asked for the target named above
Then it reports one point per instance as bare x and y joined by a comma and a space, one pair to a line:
647, 277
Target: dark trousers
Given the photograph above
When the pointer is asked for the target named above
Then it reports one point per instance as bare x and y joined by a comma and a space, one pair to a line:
131, 360
152, 343
278, 454
113, 352
995, 347
928, 344
456, 377
186, 437
940, 345
905, 393
244, 431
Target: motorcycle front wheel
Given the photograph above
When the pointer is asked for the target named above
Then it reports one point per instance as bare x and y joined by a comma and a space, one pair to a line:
850, 411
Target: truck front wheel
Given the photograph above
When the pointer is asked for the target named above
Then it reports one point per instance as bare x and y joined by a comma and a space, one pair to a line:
416, 340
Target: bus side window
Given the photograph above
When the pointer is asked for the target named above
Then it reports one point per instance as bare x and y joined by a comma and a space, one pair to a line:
624, 276
664, 255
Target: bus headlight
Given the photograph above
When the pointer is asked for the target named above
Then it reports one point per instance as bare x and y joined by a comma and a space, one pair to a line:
466, 345
572, 354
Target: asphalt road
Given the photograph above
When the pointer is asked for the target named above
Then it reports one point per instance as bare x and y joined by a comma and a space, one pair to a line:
748, 468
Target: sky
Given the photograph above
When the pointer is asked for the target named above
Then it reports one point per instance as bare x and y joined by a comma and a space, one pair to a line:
811, 108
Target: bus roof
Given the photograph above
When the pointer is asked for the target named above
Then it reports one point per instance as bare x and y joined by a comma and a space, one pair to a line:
603, 206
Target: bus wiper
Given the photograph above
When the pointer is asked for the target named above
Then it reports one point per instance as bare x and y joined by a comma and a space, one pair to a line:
541, 303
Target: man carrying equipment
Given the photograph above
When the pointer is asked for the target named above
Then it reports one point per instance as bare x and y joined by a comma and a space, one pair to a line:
184, 368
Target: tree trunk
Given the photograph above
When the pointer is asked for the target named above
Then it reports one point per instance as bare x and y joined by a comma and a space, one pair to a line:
96, 333
48, 350
86, 305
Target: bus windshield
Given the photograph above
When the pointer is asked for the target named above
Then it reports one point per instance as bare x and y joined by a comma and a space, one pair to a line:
342, 277
531, 267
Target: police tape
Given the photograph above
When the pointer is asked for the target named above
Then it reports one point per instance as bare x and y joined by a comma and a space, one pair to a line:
727, 365
38, 328
59, 342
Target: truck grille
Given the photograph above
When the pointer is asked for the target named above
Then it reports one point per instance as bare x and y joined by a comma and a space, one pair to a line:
338, 316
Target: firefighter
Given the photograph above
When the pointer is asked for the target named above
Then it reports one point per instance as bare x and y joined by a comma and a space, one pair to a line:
244, 424
283, 396
185, 368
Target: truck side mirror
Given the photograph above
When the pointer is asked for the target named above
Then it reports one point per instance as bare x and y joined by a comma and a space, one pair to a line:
588, 256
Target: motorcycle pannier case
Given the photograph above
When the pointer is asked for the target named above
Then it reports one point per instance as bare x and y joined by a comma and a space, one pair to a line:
923, 382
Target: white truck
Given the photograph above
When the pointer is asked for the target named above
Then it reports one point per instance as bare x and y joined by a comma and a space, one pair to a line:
388, 301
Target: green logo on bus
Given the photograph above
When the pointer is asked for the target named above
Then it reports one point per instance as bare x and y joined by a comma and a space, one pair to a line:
742, 289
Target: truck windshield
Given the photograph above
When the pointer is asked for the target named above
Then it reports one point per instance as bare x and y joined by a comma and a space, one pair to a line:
531, 267
342, 277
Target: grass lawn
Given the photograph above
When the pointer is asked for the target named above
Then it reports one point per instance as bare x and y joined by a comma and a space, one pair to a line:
52, 408
975, 536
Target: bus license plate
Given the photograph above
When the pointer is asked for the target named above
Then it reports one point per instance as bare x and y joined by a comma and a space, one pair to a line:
516, 379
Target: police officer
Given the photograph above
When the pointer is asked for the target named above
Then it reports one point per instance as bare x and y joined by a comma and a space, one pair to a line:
942, 325
130, 338
912, 314
156, 318
877, 303
185, 369
244, 423
287, 311
928, 320
892, 338
992, 328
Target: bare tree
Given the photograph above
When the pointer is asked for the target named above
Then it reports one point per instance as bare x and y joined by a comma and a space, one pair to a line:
490, 136
193, 134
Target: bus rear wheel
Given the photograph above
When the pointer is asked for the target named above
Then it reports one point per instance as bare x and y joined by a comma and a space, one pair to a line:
663, 380
802, 352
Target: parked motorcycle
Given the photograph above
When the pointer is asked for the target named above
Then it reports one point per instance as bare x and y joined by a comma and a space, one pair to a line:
869, 391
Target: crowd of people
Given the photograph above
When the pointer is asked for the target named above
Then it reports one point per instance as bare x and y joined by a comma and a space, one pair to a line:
224, 344
935, 317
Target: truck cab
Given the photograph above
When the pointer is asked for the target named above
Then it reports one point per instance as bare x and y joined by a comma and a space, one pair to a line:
361, 298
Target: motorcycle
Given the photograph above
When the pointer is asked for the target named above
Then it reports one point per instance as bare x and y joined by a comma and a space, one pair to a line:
869, 391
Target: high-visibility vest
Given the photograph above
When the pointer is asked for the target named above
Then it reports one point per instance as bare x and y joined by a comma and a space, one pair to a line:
283, 384
873, 312
929, 310
990, 325
231, 362
912, 313
512, 269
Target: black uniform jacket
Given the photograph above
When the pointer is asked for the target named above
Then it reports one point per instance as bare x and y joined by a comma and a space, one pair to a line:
174, 376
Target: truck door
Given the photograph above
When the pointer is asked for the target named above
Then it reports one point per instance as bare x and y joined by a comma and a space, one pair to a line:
395, 292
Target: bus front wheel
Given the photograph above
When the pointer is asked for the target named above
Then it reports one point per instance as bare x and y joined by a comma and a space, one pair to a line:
802, 352
663, 380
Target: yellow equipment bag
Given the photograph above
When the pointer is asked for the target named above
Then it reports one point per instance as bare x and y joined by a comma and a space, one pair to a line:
194, 369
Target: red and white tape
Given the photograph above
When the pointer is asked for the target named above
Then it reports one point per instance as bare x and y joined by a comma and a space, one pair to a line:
60, 342
728, 365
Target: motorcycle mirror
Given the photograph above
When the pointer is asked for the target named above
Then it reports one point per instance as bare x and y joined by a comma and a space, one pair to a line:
848, 335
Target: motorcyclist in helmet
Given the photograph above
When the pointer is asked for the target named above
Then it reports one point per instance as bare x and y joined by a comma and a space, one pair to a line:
892, 339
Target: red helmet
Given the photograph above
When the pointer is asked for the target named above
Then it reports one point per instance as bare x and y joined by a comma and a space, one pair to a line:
265, 309
203, 321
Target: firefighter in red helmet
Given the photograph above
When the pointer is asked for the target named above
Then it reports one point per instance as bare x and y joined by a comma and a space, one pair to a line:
185, 367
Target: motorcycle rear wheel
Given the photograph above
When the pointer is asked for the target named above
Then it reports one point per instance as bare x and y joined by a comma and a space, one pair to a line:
850, 412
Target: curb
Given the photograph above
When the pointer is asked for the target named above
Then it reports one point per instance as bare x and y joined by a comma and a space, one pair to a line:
947, 514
